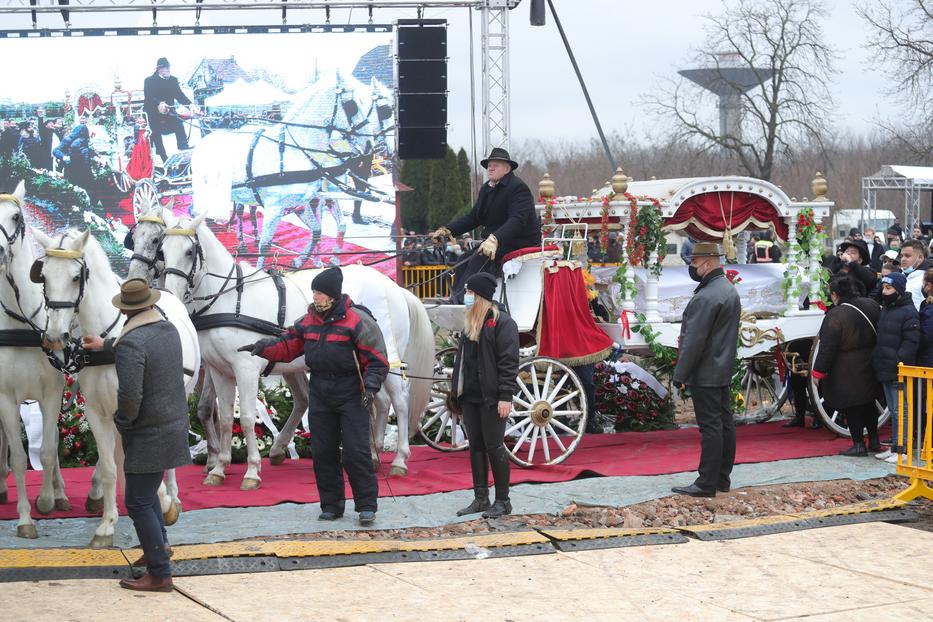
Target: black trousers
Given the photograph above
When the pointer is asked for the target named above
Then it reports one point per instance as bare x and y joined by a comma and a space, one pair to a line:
170, 125
332, 425
477, 263
486, 430
585, 374
713, 408
861, 418
142, 506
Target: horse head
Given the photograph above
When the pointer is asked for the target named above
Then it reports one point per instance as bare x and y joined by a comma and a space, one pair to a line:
147, 259
12, 224
64, 275
184, 257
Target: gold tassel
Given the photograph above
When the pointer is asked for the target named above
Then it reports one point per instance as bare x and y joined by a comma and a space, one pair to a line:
728, 246
578, 246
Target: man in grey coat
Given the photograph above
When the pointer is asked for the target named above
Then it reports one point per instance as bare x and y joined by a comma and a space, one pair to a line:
708, 341
152, 417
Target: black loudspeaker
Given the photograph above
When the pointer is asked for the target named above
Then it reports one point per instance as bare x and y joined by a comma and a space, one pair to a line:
422, 89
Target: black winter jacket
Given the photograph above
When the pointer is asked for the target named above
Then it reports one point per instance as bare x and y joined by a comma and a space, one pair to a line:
843, 361
506, 210
925, 350
498, 360
898, 338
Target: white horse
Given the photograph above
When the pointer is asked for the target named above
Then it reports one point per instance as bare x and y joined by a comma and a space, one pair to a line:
290, 164
79, 285
198, 267
26, 372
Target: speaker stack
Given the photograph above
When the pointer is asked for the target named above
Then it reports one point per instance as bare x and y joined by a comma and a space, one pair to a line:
422, 89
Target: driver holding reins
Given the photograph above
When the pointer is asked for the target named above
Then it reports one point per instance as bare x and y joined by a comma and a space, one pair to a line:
161, 91
505, 209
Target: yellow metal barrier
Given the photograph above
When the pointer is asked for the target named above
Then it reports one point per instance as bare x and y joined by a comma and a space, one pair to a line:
916, 428
427, 281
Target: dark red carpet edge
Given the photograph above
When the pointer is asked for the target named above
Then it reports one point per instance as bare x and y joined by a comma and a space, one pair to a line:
430, 471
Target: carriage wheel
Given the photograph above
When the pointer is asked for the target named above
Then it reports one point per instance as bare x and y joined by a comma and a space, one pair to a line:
763, 389
440, 428
145, 196
549, 413
832, 418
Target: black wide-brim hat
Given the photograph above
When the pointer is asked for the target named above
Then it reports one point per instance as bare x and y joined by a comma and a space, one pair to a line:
498, 153
862, 249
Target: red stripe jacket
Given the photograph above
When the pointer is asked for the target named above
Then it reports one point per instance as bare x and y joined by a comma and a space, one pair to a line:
329, 342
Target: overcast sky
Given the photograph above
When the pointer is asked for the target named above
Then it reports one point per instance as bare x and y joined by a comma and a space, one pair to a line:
623, 48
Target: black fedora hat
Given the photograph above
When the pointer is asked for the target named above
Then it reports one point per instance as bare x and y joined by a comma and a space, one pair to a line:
862, 249
498, 153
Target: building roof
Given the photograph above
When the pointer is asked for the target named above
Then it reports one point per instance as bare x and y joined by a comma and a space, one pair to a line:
212, 72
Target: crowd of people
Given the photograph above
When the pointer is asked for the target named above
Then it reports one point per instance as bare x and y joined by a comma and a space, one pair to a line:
882, 315
422, 250
33, 137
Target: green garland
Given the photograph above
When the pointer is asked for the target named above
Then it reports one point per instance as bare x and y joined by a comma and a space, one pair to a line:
810, 234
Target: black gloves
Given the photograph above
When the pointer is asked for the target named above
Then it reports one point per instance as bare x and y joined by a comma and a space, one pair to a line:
256, 348
368, 398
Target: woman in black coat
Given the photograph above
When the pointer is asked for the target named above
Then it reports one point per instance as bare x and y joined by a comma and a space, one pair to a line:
843, 363
483, 383
925, 350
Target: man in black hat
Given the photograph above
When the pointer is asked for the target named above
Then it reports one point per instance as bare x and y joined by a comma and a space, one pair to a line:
346, 355
161, 91
505, 209
854, 262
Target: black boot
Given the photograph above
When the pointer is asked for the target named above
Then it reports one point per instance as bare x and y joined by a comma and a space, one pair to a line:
480, 502
857, 449
796, 422
817, 422
501, 507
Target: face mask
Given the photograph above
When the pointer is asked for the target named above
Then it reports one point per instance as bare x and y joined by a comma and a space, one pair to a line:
694, 274
889, 299
450, 248
908, 270
468, 300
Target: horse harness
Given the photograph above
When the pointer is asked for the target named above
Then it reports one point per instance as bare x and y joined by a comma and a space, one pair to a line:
18, 337
150, 262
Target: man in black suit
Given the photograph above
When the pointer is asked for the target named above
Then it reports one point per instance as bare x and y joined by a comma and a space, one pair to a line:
162, 91
875, 249
505, 209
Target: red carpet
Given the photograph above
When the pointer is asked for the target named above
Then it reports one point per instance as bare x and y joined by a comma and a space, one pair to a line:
430, 471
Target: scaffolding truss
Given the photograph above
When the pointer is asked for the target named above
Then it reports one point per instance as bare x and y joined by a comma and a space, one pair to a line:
911, 180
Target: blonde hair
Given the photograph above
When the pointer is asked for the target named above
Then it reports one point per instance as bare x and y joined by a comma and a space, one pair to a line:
928, 278
476, 315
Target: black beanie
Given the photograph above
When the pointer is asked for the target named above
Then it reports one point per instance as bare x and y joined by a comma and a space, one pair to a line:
329, 282
482, 284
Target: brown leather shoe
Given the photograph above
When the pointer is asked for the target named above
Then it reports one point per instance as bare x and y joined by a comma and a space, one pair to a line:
141, 562
148, 583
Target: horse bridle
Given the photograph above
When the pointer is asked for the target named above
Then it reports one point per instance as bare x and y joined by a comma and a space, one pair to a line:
151, 262
196, 262
84, 275
20, 231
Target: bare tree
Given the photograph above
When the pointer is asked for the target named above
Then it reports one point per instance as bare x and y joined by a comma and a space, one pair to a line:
786, 104
902, 41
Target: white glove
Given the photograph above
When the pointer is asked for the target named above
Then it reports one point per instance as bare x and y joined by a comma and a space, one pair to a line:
67, 159
489, 246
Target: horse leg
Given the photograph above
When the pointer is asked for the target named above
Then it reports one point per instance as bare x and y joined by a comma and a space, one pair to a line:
311, 216
247, 383
50, 406
270, 225
207, 415
9, 430
105, 435
168, 498
397, 389
225, 391
378, 428
298, 384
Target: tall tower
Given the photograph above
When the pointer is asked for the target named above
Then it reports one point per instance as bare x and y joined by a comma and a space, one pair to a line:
728, 80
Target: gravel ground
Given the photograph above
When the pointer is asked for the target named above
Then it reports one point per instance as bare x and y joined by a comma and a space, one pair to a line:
674, 511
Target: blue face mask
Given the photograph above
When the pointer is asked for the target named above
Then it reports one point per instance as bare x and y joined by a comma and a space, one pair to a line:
468, 300
908, 270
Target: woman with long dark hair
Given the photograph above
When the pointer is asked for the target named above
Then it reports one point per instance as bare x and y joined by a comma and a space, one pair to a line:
484, 380
843, 363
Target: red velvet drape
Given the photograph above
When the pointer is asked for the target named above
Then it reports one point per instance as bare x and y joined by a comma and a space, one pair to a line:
140, 165
566, 329
709, 214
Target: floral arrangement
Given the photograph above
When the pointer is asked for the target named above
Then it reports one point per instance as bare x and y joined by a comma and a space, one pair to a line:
644, 237
733, 276
810, 235
632, 404
547, 218
76, 445
604, 225
590, 281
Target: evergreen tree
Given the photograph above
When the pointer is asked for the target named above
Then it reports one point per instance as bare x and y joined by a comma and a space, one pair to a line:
463, 165
414, 203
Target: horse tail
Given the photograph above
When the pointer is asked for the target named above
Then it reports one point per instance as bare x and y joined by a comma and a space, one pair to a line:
420, 358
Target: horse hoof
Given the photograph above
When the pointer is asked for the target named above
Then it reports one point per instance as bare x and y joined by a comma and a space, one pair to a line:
277, 458
397, 470
250, 484
94, 506
101, 542
171, 516
62, 505
27, 531
214, 480
3, 497
45, 506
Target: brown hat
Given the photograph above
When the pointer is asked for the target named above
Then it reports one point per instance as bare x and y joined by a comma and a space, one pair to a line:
135, 294
706, 249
